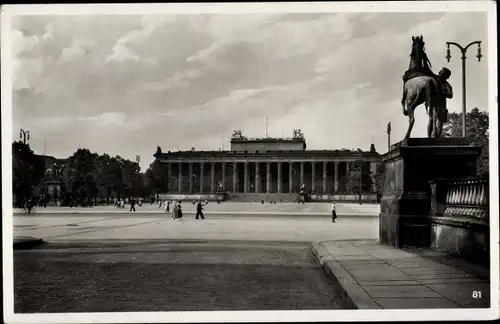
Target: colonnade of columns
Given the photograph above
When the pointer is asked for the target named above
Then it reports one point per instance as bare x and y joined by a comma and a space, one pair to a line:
246, 177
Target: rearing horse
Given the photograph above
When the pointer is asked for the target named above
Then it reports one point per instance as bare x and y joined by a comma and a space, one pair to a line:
421, 87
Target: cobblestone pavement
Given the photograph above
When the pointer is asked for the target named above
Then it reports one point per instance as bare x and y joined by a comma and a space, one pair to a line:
123, 226
150, 275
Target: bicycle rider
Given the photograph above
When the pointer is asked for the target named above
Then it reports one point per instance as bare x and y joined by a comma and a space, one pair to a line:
29, 205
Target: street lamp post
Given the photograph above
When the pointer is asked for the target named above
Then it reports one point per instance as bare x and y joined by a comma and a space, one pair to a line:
24, 135
360, 184
136, 175
463, 50
388, 136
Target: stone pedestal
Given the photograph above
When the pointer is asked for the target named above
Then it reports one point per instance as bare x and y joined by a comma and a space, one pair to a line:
411, 165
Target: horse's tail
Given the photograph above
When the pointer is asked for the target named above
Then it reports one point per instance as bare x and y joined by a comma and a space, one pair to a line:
403, 100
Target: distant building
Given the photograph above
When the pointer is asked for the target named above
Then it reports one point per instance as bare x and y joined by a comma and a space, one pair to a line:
256, 166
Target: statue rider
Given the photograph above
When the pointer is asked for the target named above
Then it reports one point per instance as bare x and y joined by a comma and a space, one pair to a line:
446, 91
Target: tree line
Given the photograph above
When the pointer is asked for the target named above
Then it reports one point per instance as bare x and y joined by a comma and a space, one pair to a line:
83, 176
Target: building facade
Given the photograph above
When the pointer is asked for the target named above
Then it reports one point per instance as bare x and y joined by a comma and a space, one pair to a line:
265, 165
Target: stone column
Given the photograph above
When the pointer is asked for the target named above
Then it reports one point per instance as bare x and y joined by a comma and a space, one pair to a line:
245, 177
169, 176
180, 178
301, 173
324, 176
190, 177
268, 177
212, 177
235, 177
346, 178
336, 177
257, 177
373, 170
202, 175
223, 166
279, 178
290, 177
313, 177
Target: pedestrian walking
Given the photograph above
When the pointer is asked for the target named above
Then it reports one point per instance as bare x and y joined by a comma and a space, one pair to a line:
159, 203
179, 211
174, 210
199, 211
334, 212
132, 204
167, 206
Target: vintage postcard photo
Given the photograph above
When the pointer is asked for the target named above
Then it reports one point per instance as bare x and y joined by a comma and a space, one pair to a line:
250, 162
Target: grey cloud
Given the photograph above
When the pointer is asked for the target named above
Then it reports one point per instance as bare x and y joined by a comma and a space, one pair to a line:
291, 68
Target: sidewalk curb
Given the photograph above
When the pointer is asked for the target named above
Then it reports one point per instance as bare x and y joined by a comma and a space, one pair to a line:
24, 243
351, 294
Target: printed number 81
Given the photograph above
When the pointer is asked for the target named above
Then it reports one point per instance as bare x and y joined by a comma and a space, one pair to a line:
476, 294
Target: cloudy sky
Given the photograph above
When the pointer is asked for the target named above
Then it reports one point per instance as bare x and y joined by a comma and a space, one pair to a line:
125, 84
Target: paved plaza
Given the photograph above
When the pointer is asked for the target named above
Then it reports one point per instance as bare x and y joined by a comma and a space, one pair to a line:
232, 208
114, 260
123, 226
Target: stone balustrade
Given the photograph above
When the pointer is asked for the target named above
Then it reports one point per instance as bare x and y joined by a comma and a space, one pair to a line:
468, 198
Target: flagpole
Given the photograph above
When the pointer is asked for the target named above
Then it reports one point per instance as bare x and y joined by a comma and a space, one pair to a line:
266, 127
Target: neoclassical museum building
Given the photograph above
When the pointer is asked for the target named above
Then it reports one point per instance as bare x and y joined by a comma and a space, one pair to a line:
262, 168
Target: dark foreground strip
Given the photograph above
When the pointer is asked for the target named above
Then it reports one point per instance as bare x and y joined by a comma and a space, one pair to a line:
27, 243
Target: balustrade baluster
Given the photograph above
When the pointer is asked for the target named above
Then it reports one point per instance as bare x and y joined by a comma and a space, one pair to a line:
468, 188
466, 193
453, 190
461, 200
448, 195
480, 194
477, 199
456, 192
484, 196
475, 194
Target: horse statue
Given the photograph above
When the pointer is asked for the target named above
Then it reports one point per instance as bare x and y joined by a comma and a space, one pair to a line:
422, 86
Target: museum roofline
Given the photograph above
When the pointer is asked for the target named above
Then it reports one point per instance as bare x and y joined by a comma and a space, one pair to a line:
268, 139
292, 152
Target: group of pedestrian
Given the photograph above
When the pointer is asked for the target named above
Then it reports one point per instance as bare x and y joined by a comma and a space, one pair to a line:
176, 208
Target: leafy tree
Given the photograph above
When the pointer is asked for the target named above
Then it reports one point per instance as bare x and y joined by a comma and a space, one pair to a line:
28, 170
380, 179
155, 178
477, 132
131, 172
83, 174
359, 179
